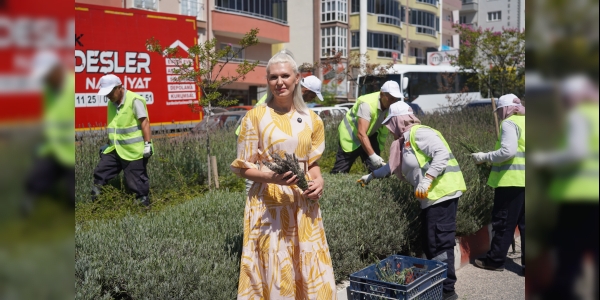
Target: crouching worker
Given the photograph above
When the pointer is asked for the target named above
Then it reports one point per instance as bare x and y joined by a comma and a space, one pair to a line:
421, 156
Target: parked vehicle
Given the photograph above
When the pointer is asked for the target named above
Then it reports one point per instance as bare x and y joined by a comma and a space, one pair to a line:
479, 103
229, 119
330, 111
240, 108
214, 110
347, 105
416, 108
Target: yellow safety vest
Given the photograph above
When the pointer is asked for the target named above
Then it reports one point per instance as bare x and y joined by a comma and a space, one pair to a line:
579, 183
59, 123
125, 130
512, 171
448, 182
348, 128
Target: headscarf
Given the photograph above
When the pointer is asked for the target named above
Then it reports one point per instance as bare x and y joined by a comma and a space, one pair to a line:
507, 111
399, 125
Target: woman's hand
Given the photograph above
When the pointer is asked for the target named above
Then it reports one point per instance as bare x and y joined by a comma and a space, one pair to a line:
315, 189
286, 178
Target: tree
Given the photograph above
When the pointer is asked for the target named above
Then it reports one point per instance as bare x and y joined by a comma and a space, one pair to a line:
203, 65
497, 58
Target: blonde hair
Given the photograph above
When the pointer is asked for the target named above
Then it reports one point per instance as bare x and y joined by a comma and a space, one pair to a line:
285, 56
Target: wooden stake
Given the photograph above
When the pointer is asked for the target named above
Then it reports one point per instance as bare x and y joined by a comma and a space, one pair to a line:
215, 170
495, 117
208, 164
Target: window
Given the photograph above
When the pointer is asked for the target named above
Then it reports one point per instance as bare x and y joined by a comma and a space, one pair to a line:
495, 16
463, 20
333, 40
146, 4
386, 44
274, 10
334, 10
234, 56
432, 2
431, 83
189, 7
388, 11
426, 23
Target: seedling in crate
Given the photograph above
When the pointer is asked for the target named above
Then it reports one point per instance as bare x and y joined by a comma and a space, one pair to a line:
387, 274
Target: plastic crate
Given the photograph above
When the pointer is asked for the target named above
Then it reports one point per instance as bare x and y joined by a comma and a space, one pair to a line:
428, 285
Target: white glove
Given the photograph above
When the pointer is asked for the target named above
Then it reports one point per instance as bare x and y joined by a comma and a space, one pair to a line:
365, 179
376, 160
479, 157
147, 149
423, 188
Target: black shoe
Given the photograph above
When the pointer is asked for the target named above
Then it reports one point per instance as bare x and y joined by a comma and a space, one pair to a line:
144, 200
450, 295
482, 263
96, 191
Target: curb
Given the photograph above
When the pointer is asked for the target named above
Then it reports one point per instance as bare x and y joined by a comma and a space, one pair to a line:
467, 248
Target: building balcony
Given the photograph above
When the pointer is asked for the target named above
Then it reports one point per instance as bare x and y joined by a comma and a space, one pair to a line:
376, 23
452, 4
424, 35
227, 23
447, 27
256, 77
470, 6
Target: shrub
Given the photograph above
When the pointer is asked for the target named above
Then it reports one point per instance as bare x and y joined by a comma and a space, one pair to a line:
190, 251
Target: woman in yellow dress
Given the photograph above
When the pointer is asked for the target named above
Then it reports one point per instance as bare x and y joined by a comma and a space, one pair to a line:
285, 253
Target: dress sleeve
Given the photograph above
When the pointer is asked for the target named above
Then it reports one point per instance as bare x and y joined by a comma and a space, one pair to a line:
247, 145
317, 139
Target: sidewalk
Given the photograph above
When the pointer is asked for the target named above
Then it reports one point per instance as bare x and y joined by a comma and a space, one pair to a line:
475, 283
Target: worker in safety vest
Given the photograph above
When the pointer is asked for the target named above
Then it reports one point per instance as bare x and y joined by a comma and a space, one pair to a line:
361, 132
574, 186
507, 177
56, 156
421, 156
130, 145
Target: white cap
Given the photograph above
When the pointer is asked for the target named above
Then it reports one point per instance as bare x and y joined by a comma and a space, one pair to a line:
508, 100
43, 62
313, 84
399, 108
392, 88
107, 83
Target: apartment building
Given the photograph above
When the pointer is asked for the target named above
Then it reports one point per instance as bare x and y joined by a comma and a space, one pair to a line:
228, 21
493, 14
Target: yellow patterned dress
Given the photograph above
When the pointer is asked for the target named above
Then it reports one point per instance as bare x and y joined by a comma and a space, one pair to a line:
285, 252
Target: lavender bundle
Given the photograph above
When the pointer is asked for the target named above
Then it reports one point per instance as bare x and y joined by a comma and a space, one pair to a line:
289, 163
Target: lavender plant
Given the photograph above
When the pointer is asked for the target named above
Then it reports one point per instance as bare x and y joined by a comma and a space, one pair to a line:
289, 163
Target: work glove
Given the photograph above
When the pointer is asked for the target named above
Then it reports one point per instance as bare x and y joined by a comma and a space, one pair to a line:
102, 150
423, 188
479, 157
363, 181
147, 149
376, 161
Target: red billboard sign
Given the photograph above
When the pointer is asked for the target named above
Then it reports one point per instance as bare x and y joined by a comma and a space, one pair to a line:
113, 41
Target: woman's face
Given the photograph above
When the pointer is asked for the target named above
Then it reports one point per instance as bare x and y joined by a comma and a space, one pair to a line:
282, 80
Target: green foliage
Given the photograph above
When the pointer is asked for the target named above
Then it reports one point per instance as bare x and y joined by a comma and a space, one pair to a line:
211, 60
497, 57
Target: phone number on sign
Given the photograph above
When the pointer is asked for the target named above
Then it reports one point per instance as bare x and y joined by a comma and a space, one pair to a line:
93, 100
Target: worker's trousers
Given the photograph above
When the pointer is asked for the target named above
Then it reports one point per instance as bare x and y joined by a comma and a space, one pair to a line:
345, 160
507, 214
136, 175
438, 225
